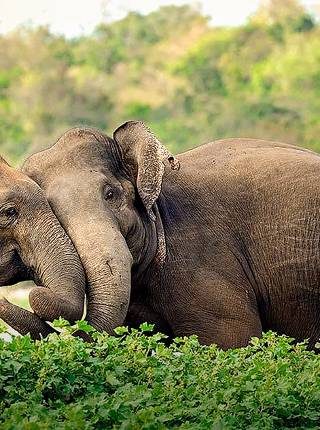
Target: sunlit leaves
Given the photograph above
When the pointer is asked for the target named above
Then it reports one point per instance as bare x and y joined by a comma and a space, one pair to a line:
134, 381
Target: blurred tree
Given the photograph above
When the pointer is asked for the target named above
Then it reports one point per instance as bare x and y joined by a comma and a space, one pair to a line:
191, 82
284, 13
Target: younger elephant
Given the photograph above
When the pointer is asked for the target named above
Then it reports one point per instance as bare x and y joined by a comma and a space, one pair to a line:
224, 248
33, 245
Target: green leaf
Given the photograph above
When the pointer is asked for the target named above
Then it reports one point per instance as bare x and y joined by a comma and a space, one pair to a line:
145, 327
121, 330
84, 326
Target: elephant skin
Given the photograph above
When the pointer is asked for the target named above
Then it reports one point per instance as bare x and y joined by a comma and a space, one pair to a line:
33, 245
225, 247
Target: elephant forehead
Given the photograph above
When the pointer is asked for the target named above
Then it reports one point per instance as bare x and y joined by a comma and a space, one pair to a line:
68, 156
15, 186
61, 159
73, 185
83, 144
77, 134
10, 177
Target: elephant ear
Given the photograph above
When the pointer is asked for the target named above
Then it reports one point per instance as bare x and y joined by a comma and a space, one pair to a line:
143, 157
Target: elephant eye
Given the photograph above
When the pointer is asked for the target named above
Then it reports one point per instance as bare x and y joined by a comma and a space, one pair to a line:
11, 212
108, 194
8, 216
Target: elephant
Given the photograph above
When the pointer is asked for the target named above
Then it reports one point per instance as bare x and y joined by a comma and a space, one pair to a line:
225, 247
33, 245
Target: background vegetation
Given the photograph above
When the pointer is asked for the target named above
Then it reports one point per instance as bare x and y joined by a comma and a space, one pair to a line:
135, 382
192, 83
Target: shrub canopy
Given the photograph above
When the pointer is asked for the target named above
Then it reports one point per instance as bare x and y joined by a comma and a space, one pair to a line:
135, 381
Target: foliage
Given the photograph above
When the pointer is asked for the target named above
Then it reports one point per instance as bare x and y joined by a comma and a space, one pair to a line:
134, 381
192, 83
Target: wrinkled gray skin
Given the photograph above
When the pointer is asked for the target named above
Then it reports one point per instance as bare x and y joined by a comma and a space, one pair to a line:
33, 245
224, 248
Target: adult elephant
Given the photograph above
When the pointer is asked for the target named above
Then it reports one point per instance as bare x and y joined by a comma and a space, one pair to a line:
224, 248
33, 245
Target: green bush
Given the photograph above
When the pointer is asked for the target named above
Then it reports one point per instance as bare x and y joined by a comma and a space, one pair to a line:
134, 381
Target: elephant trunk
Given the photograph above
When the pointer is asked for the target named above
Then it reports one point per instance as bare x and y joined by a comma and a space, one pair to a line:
56, 265
107, 262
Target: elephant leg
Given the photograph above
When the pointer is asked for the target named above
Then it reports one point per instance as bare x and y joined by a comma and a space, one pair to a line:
225, 331
297, 316
218, 312
24, 321
234, 332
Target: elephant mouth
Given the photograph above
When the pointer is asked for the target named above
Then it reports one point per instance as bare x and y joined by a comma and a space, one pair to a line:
16, 271
35, 278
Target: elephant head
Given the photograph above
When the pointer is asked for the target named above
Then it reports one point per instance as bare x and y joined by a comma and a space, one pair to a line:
33, 245
104, 193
